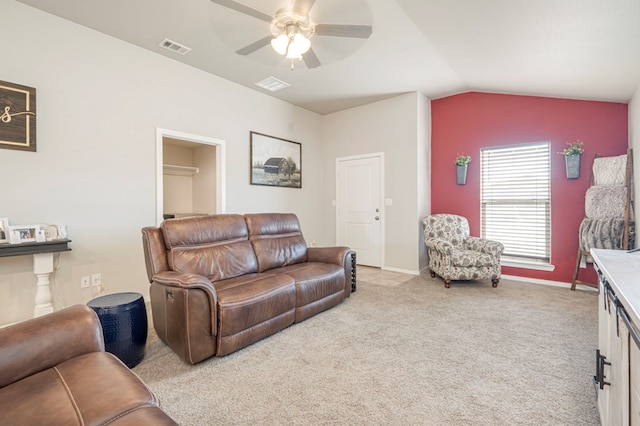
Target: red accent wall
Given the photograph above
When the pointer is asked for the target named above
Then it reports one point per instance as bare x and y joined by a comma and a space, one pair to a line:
465, 123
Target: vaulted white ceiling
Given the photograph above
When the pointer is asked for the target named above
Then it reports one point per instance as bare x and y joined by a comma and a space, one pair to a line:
584, 49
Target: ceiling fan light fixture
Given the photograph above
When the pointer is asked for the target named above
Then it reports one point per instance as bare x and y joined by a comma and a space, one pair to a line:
302, 43
292, 32
280, 44
298, 46
293, 52
292, 29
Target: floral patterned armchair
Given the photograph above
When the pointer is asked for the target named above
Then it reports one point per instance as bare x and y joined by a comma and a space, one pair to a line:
454, 255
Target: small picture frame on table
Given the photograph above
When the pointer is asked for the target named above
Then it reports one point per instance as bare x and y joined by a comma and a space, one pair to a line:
23, 233
50, 232
4, 230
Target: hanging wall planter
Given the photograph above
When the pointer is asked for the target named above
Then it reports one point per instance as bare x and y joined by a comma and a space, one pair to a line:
572, 154
461, 174
462, 164
572, 163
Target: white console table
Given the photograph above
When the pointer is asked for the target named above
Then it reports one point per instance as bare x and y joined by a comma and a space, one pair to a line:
42, 267
618, 356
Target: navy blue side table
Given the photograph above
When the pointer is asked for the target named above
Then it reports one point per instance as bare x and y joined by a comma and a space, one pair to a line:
124, 325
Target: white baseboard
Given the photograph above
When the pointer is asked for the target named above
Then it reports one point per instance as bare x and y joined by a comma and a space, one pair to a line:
402, 271
548, 282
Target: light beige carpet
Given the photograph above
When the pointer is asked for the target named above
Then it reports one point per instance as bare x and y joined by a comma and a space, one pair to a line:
413, 353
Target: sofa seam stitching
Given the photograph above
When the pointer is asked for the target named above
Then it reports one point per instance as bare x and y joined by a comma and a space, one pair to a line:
70, 395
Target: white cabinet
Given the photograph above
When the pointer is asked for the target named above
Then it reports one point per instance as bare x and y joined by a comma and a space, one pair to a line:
634, 379
603, 353
618, 356
612, 360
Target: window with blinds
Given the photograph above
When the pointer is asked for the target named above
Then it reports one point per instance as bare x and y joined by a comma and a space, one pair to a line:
515, 198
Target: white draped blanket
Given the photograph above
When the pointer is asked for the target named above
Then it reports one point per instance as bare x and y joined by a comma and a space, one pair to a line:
610, 170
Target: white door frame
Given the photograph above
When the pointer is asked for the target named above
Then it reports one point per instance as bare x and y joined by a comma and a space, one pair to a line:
219, 144
379, 155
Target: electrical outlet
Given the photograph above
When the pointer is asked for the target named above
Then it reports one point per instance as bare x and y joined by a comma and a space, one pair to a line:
96, 280
85, 281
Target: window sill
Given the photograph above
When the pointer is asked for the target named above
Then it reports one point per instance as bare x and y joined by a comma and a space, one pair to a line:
526, 264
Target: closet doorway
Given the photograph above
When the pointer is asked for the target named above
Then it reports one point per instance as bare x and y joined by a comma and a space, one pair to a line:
189, 175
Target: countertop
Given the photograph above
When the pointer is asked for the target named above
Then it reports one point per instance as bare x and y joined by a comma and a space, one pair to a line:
622, 271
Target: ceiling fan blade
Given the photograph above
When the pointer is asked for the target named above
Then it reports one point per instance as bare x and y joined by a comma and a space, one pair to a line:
310, 59
254, 46
339, 30
304, 5
243, 9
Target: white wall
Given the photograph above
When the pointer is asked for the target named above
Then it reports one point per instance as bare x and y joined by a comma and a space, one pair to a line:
190, 193
399, 127
204, 183
634, 143
177, 190
99, 101
424, 173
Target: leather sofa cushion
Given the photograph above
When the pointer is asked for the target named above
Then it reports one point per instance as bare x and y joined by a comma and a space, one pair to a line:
247, 301
253, 307
214, 246
315, 281
276, 239
71, 393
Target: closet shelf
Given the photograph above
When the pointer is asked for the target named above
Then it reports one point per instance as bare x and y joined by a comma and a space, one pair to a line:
170, 169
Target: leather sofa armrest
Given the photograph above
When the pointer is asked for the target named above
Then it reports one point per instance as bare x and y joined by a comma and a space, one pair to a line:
441, 246
338, 255
191, 281
40, 343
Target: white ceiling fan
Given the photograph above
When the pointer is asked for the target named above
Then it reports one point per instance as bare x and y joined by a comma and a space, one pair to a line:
292, 30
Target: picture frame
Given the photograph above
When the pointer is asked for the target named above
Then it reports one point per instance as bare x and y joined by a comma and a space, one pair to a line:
50, 232
275, 161
23, 233
17, 116
4, 230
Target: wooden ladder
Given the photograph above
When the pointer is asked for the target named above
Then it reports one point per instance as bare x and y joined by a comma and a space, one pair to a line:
627, 213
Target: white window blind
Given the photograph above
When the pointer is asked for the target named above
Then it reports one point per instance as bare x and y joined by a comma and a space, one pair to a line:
515, 198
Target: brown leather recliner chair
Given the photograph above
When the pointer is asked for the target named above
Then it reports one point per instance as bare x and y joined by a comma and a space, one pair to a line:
54, 371
222, 282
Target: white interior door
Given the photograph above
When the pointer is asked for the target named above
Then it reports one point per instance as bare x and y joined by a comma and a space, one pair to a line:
359, 215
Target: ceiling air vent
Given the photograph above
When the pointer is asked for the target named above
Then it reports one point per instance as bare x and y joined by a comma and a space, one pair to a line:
272, 84
174, 47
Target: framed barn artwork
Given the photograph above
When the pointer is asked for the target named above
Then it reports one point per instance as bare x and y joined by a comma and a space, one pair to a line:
275, 161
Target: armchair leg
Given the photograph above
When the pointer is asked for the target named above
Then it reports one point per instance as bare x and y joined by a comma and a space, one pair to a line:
432, 272
447, 283
494, 282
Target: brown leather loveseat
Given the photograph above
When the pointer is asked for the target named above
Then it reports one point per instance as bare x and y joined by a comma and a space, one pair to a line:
54, 371
222, 282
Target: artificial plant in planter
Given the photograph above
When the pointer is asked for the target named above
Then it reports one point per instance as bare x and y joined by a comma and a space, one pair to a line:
462, 164
572, 154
